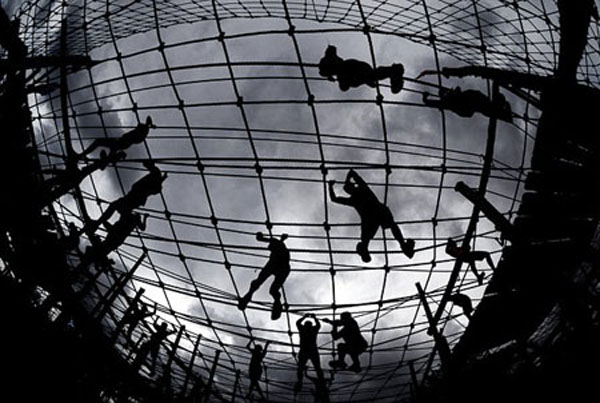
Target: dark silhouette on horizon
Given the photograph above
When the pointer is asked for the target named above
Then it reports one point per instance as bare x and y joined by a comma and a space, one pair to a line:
277, 266
352, 73
466, 255
467, 103
373, 214
463, 301
308, 348
116, 144
255, 368
354, 343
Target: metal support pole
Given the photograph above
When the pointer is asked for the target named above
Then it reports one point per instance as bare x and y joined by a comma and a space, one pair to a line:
213, 369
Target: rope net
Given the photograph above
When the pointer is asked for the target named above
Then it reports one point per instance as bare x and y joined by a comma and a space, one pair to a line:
249, 134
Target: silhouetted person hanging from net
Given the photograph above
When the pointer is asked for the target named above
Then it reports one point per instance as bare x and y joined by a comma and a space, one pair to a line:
373, 214
278, 266
466, 103
465, 254
255, 369
152, 346
116, 144
353, 73
116, 235
133, 317
64, 180
137, 196
308, 348
463, 301
354, 343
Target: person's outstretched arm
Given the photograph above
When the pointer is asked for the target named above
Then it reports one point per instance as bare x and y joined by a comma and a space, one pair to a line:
335, 198
265, 349
248, 345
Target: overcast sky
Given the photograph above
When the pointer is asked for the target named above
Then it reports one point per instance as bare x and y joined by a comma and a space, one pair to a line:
351, 135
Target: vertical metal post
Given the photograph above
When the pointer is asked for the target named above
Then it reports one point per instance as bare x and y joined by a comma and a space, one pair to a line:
213, 369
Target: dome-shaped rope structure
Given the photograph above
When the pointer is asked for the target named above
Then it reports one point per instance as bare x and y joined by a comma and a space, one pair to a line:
202, 123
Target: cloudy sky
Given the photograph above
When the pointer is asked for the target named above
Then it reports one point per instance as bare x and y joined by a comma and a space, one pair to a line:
277, 127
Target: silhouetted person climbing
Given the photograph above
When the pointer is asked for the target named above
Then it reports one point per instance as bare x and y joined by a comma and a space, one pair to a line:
373, 214
255, 369
466, 103
152, 346
354, 73
354, 343
308, 348
133, 317
116, 144
464, 302
465, 254
277, 266
66, 179
137, 196
116, 234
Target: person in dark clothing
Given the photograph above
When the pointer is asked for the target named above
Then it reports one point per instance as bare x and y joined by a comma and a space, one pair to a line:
373, 214
465, 254
116, 144
467, 103
308, 348
152, 346
352, 73
134, 316
137, 196
463, 301
354, 343
255, 369
278, 266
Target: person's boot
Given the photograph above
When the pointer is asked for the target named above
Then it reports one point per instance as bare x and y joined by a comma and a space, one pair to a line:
397, 78
363, 252
337, 364
408, 247
243, 303
276, 311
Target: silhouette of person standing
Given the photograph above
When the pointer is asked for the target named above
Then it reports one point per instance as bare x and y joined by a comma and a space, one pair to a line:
152, 346
352, 73
278, 266
134, 316
255, 369
308, 348
115, 144
373, 214
465, 254
354, 343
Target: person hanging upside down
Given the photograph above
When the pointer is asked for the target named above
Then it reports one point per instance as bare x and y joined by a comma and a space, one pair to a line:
352, 73
354, 343
465, 254
277, 266
373, 214
466, 103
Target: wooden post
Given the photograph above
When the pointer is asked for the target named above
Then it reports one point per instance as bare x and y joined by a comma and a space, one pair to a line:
413, 378
117, 288
213, 369
501, 222
190, 367
235, 386
166, 377
440, 341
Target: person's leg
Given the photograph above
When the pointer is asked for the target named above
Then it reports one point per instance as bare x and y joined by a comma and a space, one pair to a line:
302, 359
368, 228
265, 272
280, 278
355, 361
407, 245
102, 142
316, 361
471, 262
340, 363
